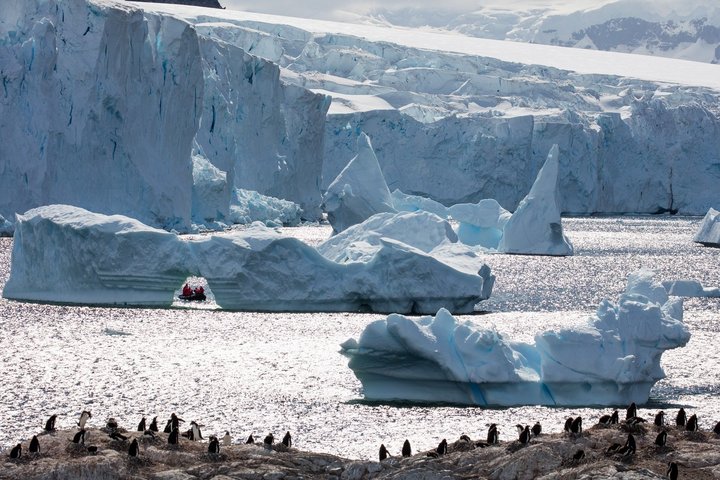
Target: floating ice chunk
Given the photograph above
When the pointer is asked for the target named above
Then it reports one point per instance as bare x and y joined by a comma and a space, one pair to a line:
480, 223
535, 227
614, 359
690, 288
249, 206
359, 191
69, 255
709, 232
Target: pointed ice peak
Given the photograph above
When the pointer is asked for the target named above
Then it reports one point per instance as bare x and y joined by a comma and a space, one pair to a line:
359, 191
536, 226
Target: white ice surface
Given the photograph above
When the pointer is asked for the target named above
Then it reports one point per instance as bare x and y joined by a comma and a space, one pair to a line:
614, 359
68, 255
709, 231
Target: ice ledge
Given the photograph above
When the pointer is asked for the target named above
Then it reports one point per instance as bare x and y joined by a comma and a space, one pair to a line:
612, 360
64, 254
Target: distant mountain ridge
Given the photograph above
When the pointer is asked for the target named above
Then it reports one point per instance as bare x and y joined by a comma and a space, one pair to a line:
695, 36
197, 3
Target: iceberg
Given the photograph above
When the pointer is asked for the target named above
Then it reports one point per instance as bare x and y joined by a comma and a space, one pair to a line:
249, 206
535, 228
480, 223
613, 359
66, 254
6, 227
709, 232
690, 288
359, 191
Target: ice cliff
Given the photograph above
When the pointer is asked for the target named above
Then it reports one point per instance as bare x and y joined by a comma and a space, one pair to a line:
68, 255
102, 102
613, 359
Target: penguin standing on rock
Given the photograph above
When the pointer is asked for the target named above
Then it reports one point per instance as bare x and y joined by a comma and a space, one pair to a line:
79, 438
631, 411
174, 437
672, 471
141, 425
153, 425
692, 423
35, 445
406, 450
681, 418
442, 447
661, 439
383, 452
16, 452
525, 435
537, 429
134, 449
492, 436
50, 424
227, 439
568, 424
611, 419
196, 433
576, 425
214, 445
250, 440
83, 419
287, 440
269, 439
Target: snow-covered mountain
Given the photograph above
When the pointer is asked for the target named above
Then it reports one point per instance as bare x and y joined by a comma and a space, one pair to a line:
686, 30
109, 105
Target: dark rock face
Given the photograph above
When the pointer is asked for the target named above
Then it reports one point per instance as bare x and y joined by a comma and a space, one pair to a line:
197, 3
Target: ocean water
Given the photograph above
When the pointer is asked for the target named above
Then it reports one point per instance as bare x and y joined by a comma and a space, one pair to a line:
272, 372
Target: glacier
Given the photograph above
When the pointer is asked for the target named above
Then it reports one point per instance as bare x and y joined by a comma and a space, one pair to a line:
709, 232
108, 105
612, 359
65, 254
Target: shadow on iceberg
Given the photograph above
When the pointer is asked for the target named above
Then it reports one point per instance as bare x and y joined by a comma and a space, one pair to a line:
612, 360
65, 254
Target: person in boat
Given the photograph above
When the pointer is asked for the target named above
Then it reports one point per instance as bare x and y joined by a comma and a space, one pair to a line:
187, 291
199, 290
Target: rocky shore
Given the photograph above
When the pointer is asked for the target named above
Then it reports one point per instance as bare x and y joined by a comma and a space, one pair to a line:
697, 455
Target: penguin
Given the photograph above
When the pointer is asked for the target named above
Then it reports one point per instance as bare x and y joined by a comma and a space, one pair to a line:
613, 449
465, 438
660, 419
287, 440
134, 449
519, 428
672, 471
692, 423
16, 452
615, 418
681, 418
268, 441
50, 424
661, 439
607, 419
579, 455
568, 424
148, 435
492, 435
576, 425
406, 450
214, 445
537, 429
83, 419
227, 439
35, 445
525, 435
174, 437
153, 425
629, 448
141, 426
250, 440
383, 452
111, 424
115, 435
175, 421
442, 447
79, 438
196, 433
635, 421
92, 449
717, 428
631, 411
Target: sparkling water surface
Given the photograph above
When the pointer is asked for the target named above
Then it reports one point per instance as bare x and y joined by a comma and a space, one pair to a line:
271, 372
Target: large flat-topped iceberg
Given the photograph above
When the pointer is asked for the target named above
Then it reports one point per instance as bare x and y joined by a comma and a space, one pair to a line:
709, 232
613, 359
66, 254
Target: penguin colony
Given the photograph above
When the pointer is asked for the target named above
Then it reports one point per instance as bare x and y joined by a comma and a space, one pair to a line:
624, 450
